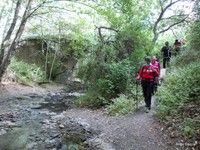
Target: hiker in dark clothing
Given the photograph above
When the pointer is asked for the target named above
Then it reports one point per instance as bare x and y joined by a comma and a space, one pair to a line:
146, 74
166, 53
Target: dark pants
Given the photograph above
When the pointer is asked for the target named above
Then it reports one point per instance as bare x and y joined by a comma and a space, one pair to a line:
155, 85
147, 87
166, 62
176, 51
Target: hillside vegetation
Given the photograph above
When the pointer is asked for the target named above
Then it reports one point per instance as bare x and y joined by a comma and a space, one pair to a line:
179, 97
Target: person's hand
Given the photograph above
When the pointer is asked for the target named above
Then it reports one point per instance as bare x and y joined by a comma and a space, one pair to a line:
138, 77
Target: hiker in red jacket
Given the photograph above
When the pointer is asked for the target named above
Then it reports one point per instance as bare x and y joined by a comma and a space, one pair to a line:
156, 65
146, 74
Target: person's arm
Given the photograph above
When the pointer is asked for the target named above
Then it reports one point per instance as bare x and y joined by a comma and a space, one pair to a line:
140, 73
155, 72
159, 68
161, 52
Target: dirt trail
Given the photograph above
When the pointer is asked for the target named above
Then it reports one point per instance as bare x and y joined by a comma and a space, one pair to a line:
136, 131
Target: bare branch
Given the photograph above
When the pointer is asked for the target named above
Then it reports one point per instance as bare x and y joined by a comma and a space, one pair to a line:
160, 17
174, 16
170, 4
172, 25
107, 28
51, 1
35, 9
161, 6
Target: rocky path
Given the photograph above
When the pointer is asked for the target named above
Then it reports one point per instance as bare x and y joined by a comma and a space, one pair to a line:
36, 118
136, 131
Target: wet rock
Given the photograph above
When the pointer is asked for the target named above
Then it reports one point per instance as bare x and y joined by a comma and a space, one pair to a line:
38, 106
76, 94
75, 132
51, 143
22, 97
61, 126
99, 144
2, 131
55, 135
34, 95
9, 124
58, 117
54, 97
10, 116
46, 122
31, 145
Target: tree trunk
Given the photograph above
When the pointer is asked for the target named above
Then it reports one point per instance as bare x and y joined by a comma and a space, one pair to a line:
6, 58
10, 31
155, 38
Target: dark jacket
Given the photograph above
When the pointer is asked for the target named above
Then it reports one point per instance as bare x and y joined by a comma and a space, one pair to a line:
166, 51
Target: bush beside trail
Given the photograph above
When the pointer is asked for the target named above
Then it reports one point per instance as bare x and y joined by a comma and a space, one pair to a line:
178, 99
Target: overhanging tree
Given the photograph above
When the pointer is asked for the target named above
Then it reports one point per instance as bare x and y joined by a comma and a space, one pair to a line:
162, 23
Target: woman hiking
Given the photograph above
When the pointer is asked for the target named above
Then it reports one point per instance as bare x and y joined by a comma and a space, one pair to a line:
146, 74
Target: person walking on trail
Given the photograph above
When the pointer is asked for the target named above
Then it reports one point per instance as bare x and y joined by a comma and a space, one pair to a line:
166, 53
146, 74
176, 47
156, 65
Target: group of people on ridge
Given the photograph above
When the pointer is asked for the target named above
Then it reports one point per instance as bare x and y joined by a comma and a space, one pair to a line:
149, 73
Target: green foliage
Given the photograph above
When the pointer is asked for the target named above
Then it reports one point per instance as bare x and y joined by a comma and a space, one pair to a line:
92, 100
122, 105
107, 81
178, 98
105, 88
118, 74
194, 36
173, 93
186, 57
189, 127
26, 73
91, 71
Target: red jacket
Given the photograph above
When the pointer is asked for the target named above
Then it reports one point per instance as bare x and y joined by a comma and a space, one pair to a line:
147, 72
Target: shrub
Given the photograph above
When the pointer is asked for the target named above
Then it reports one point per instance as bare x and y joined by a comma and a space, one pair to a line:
120, 75
115, 79
122, 105
181, 86
188, 127
92, 100
26, 73
186, 57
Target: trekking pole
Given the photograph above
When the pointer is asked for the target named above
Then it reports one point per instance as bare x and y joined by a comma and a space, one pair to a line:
136, 94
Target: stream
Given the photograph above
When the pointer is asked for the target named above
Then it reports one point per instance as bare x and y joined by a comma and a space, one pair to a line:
38, 122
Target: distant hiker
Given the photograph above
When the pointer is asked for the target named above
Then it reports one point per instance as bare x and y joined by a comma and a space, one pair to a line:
176, 47
146, 74
166, 54
156, 65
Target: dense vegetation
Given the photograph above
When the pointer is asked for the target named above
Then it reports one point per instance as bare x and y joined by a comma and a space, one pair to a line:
178, 98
